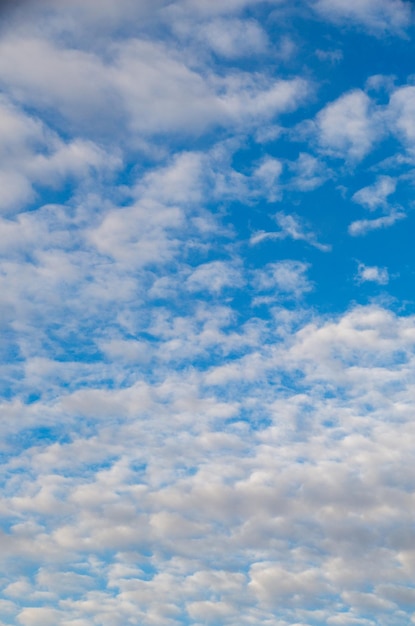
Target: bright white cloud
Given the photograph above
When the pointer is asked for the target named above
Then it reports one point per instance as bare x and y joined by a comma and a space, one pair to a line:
349, 127
372, 273
376, 195
401, 112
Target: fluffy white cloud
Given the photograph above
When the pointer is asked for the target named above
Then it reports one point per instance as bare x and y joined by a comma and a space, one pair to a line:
159, 497
378, 16
401, 113
145, 86
376, 195
349, 126
31, 154
372, 273
184, 439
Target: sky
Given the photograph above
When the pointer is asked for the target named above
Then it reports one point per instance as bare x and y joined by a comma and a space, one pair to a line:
207, 374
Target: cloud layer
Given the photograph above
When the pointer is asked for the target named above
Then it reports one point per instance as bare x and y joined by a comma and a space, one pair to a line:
207, 332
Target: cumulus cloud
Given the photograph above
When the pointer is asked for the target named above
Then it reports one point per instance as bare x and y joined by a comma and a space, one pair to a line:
372, 273
349, 126
31, 154
144, 84
401, 115
140, 490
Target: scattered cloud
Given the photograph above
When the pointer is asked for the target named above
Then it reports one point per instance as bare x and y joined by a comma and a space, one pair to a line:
377, 16
310, 172
196, 430
284, 277
376, 195
349, 127
362, 227
214, 276
333, 56
291, 226
372, 273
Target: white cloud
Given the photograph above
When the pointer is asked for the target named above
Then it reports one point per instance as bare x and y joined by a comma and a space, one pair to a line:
209, 8
214, 277
267, 177
376, 195
31, 154
349, 127
233, 38
229, 533
39, 616
333, 56
291, 226
145, 87
284, 277
170, 450
372, 273
310, 172
361, 227
378, 16
401, 115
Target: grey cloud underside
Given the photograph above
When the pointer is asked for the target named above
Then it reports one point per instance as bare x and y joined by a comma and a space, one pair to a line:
301, 509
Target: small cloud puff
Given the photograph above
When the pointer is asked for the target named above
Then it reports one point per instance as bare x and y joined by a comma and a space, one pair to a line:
367, 273
214, 277
287, 278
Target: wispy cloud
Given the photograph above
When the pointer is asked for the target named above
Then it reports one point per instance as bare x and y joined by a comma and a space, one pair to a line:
362, 227
291, 226
378, 16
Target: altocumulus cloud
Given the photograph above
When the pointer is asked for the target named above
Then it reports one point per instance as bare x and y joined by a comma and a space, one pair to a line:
207, 408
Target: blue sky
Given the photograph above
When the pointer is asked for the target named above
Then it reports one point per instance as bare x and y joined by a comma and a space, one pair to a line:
207, 313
